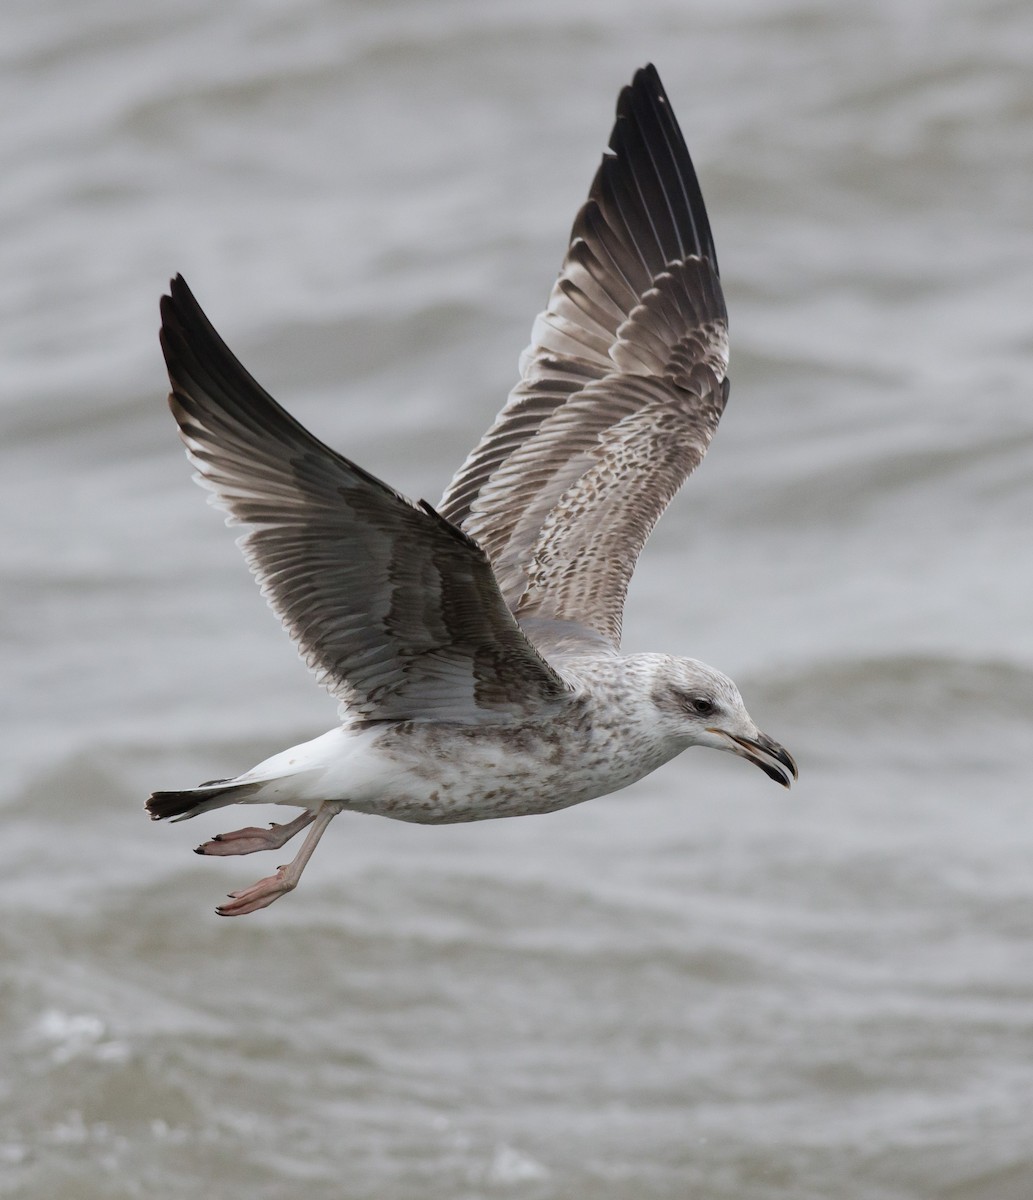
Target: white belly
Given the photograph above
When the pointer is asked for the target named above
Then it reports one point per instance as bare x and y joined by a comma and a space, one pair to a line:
434, 774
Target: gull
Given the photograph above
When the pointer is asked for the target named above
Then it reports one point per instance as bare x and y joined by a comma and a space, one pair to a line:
474, 647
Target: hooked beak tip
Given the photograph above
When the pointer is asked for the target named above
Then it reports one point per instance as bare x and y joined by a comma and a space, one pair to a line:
773, 759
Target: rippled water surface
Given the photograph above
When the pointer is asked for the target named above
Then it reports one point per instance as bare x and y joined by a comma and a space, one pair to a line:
702, 987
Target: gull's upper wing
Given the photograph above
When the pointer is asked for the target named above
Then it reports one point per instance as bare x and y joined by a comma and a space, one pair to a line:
622, 386
396, 610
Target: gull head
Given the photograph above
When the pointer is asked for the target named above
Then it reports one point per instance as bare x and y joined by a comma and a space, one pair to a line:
699, 706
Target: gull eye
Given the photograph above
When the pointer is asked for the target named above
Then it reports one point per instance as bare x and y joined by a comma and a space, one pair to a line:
703, 706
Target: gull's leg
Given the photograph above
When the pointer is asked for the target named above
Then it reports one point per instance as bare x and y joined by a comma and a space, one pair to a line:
247, 841
265, 891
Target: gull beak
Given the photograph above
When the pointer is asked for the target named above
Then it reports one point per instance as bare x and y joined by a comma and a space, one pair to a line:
774, 760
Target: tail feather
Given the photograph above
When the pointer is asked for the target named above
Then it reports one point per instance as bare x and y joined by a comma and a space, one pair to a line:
180, 806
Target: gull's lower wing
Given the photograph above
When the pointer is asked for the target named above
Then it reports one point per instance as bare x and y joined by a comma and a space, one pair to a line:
396, 609
622, 386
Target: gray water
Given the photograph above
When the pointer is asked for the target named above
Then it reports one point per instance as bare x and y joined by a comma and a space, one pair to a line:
702, 987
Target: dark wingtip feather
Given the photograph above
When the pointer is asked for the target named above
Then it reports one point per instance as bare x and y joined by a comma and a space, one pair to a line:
209, 383
191, 342
645, 104
179, 310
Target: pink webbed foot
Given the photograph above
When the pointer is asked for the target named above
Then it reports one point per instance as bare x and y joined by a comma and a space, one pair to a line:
265, 891
260, 894
247, 841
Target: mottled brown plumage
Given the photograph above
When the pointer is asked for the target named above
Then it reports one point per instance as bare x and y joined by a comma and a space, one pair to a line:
474, 649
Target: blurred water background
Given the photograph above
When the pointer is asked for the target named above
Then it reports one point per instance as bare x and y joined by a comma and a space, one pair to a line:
703, 987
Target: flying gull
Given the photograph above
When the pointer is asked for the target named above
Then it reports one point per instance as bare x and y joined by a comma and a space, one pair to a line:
474, 648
